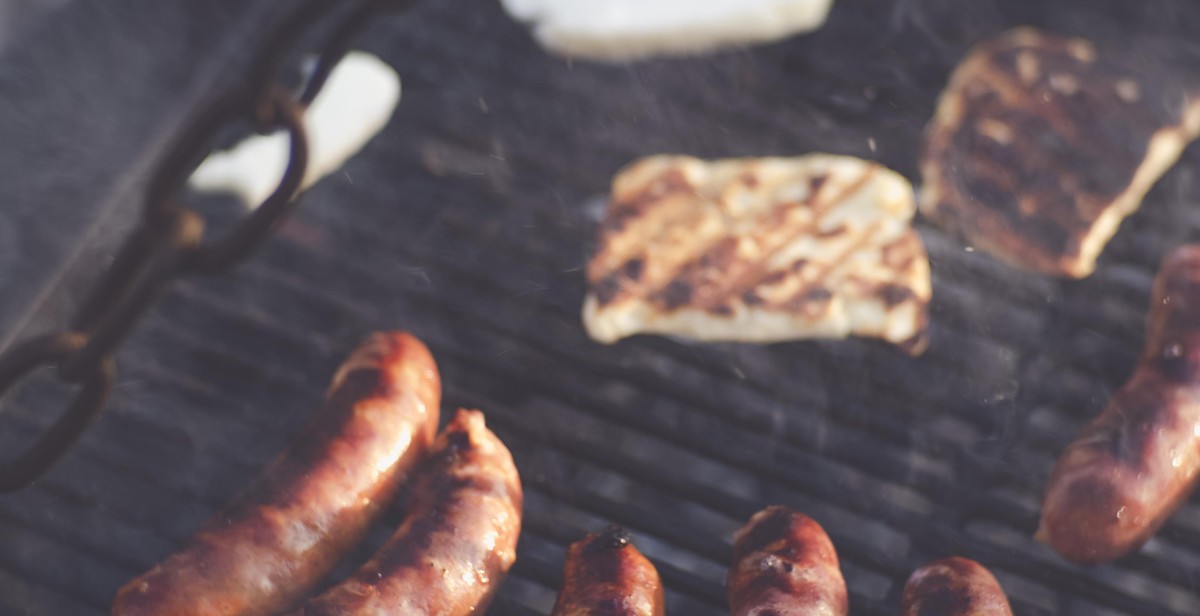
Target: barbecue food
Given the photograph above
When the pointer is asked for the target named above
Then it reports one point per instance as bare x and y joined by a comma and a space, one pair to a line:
759, 250
606, 576
1041, 146
954, 587
315, 501
355, 104
784, 563
630, 29
1136, 463
456, 543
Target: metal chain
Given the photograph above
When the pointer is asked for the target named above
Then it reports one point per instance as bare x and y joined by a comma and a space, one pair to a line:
169, 240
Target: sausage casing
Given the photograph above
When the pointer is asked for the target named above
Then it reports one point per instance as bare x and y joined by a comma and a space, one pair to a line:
315, 501
1135, 464
456, 544
954, 587
785, 564
605, 575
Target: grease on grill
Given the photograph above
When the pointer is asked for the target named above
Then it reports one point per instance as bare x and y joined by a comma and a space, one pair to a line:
1041, 146
759, 250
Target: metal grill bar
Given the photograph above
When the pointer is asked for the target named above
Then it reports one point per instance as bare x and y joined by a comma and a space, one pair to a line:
903, 461
289, 380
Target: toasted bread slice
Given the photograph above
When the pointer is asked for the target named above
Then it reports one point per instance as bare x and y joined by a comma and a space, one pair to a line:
1042, 145
759, 250
617, 30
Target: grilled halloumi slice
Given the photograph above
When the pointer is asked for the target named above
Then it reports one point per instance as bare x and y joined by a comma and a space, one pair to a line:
759, 250
631, 29
1042, 145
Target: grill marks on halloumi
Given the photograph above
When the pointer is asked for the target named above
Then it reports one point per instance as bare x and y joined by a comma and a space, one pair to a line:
759, 250
1041, 146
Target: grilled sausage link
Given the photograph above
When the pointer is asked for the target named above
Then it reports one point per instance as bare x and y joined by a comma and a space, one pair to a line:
606, 576
457, 543
954, 587
784, 563
315, 501
1135, 464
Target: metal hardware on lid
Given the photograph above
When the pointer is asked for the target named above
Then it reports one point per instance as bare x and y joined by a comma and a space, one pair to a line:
223, 254
22, 360
168, 241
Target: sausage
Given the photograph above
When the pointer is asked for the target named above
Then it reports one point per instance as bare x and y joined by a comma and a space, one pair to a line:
954, 587
315, 501
457, 542
1136, 463
784, 563
606, 576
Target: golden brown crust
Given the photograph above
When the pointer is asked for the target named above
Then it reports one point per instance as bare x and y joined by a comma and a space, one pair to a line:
1134, 465
760, 250
785, 564
954, 587
457, 542
315, 501
605, 575
1041, 145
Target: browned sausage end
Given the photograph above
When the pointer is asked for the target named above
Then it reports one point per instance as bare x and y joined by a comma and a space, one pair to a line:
1133, 466
954, 587
458, 539
605, 575
784, 563
314, 502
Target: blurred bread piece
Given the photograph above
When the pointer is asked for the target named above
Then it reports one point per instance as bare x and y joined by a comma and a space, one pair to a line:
759, 250
355, 105
616, 30
1041, 145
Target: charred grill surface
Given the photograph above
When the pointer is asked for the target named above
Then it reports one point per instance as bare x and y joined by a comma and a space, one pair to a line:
468, 222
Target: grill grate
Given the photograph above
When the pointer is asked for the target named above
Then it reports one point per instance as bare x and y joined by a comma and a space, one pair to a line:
469, 222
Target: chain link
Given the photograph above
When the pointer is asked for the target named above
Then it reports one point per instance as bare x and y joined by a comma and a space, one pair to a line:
169, 240
217, 256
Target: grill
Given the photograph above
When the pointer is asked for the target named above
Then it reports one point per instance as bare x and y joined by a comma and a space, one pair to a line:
468, 222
